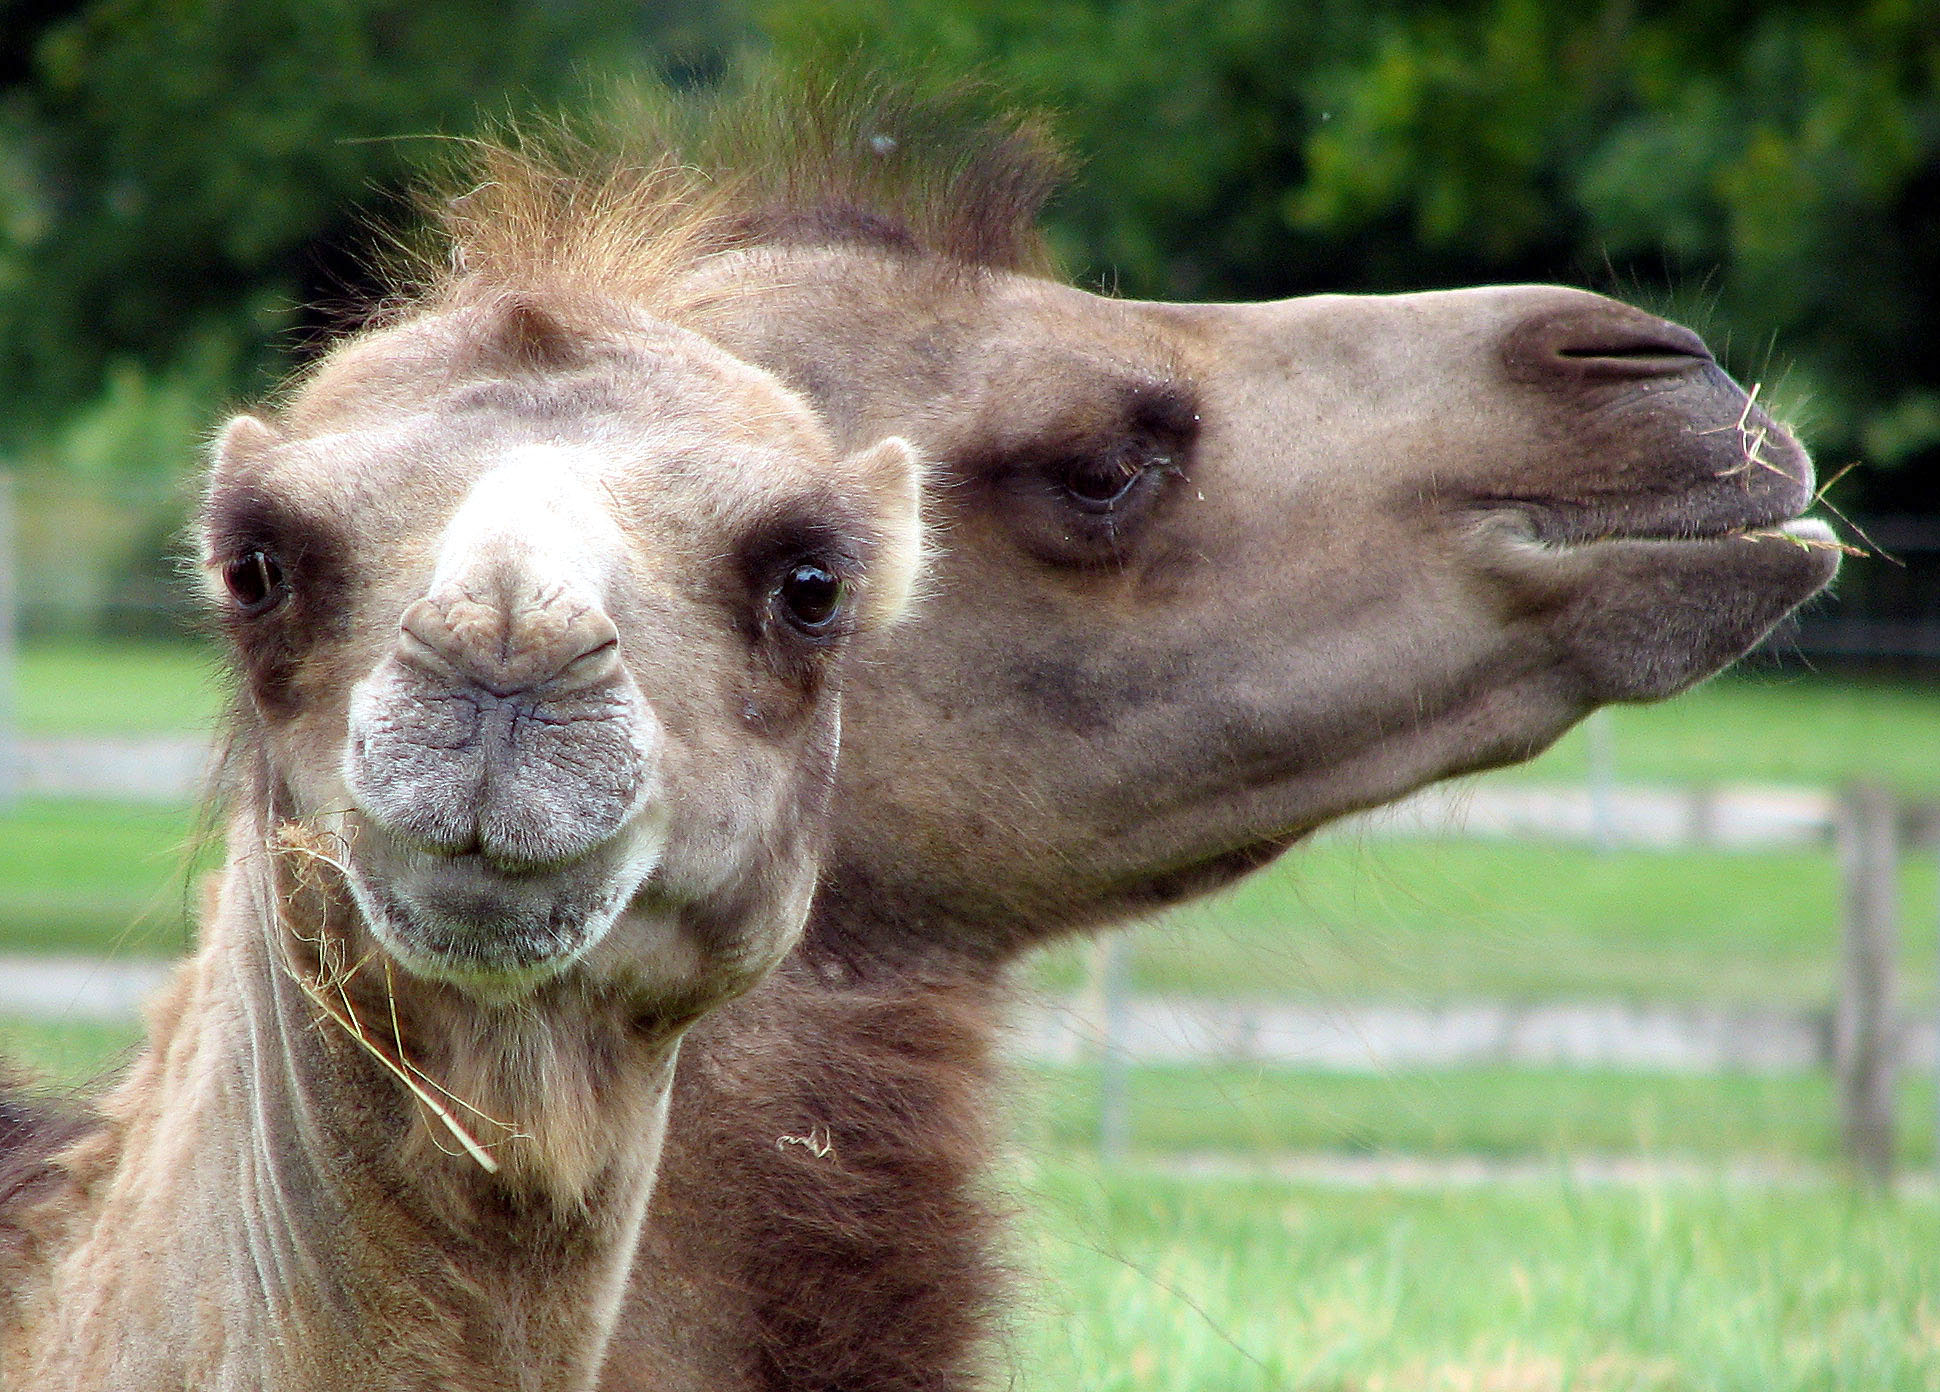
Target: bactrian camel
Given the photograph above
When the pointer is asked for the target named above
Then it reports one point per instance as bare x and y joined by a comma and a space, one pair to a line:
1212, 575
1209, 577
539, 606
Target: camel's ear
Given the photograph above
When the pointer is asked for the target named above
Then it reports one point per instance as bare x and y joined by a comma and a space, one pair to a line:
891, 474
525, 336
243, 441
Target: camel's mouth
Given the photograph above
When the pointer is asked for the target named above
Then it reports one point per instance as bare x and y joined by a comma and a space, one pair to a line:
1807, 533
469, 920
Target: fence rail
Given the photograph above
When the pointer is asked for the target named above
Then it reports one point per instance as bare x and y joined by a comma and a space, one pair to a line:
1866, 1041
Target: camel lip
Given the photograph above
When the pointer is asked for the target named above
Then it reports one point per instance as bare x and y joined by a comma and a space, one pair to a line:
495, 931
1565, 527
1812, 533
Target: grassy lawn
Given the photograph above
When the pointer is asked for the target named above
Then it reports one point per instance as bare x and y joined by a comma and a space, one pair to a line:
66, 1053
1243, 1110
1768, 727
117, 687
1139, 1281
1431, 920
94, 877
1409, 919
1136, 1280
1132, 1279
1509, 1113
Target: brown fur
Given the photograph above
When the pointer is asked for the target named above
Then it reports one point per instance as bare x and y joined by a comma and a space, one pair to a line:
537, 728
1344, 576
1294, 620
854, 1247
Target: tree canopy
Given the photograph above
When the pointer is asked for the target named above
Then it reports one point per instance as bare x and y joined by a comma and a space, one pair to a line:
181, 180
1769, 172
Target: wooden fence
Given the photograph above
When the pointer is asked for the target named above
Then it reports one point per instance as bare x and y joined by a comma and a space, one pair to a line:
1869, 1042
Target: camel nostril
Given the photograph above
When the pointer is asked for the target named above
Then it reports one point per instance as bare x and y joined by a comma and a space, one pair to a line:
600, 660
1645, 354
504, 649
1601, 341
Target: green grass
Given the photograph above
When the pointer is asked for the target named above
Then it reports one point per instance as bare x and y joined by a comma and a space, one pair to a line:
1507, 1113
1242, 1110
94, 877
1139, 1281
1768, 727
117, 687
1132, 1280
1413, 920
66, 1053
1431, 920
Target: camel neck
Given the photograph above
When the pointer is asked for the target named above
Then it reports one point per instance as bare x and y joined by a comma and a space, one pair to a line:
259, 1209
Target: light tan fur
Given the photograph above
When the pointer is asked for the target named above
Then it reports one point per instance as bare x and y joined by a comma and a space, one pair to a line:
397, 1120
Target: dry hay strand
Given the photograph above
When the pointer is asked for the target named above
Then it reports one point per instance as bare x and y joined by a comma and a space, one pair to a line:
1751, 440
308, 852
1809, 543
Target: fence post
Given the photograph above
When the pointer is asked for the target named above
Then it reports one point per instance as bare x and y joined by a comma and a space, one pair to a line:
9, 627
1114, 1107
1865, 1021
1600, 745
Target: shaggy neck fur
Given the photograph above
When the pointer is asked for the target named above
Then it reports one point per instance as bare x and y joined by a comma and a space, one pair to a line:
262, 1205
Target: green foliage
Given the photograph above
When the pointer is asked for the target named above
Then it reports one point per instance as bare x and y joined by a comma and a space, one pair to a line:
179, 178
1783, 159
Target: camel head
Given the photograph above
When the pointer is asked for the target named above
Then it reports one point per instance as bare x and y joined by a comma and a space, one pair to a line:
1216, 574
539, 606
1211, 574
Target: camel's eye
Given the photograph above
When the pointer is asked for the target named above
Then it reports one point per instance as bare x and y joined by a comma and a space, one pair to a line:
1100, 485
255, 581
810, 597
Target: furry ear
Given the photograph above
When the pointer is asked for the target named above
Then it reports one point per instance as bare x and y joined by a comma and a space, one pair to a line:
891, 474
245, 440
524, 335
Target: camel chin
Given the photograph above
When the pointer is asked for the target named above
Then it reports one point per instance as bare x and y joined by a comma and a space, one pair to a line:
499, 932
539, 606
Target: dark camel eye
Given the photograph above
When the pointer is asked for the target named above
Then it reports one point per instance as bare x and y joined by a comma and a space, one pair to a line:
1101, 484
810, 597
255, 581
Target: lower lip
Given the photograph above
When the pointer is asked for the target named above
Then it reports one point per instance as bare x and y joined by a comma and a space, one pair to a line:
1811, 529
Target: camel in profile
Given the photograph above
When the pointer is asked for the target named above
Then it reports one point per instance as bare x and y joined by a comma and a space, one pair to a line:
539, 608
1210, 576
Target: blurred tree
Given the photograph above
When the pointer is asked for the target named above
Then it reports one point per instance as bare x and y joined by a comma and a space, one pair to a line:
1770, 171
181, 179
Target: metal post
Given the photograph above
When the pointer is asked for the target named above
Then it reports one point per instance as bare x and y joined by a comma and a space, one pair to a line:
9, 628
1114, 1109
1865, 1021
1600, 742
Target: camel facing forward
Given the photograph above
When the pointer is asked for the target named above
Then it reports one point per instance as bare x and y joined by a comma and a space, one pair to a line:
1215, 575
538, 606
